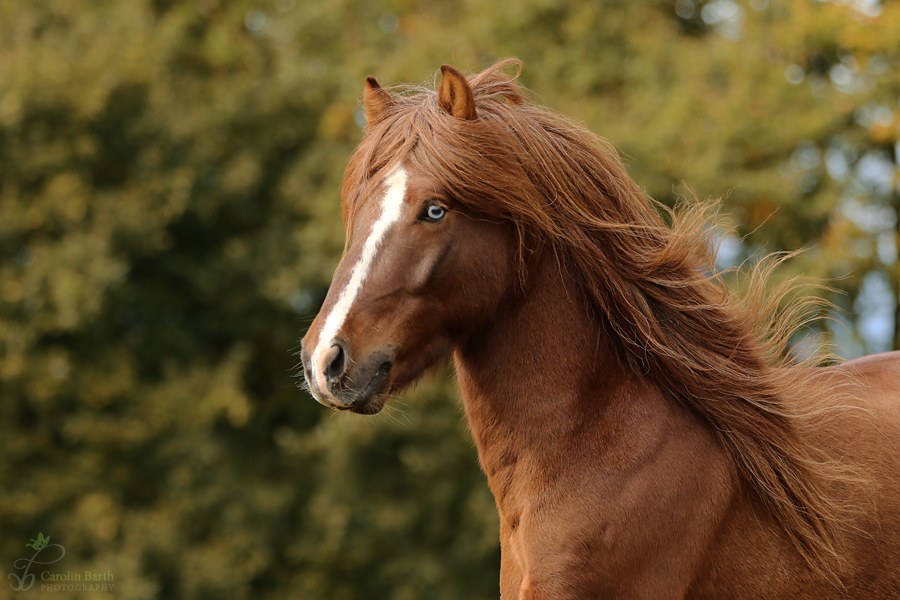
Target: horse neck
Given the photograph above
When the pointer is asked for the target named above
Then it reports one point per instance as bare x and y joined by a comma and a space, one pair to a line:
542, 385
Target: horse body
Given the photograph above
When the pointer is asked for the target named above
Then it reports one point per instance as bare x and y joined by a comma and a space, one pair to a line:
638, 438
609, 488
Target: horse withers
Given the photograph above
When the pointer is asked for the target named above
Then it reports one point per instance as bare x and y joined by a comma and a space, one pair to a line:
639, 431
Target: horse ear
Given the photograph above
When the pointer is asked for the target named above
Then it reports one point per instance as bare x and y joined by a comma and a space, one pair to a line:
455, 94
375, 100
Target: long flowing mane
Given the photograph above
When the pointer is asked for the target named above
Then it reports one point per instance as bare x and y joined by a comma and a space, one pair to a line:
648, 281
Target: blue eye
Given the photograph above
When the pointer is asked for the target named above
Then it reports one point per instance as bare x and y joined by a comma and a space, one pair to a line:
433, 213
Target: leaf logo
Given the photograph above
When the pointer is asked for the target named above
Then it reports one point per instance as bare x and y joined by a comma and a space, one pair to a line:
40, 543
26, 579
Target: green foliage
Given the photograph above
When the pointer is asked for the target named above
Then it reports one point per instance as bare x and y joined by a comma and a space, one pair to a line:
168, 210
169, 221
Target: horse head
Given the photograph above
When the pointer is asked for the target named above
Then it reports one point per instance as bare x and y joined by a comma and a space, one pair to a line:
422, 270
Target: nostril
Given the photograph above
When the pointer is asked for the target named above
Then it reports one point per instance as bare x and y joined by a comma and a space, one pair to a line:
335, 363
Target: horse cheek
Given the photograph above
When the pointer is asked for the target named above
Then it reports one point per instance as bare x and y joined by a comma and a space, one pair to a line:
427, 272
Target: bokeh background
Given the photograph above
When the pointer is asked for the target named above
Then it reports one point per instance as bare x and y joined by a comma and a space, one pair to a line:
169, 223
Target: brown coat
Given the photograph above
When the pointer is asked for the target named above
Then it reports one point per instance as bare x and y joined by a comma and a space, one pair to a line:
640, 428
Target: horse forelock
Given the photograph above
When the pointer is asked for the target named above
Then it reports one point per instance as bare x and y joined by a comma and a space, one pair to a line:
561, 185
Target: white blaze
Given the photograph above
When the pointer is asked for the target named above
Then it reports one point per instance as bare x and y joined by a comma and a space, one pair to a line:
391, 203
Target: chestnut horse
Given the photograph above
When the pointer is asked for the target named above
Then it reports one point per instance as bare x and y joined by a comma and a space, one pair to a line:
640, 434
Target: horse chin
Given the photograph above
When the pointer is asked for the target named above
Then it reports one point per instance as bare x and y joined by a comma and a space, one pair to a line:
372, 406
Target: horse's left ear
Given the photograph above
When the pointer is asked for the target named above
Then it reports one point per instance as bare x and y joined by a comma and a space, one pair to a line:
375, 100
455, 94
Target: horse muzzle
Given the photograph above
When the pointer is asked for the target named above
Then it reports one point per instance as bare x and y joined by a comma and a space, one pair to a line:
338, 381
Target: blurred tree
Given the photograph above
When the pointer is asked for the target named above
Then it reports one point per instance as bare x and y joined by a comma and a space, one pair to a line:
168, 208
169, 220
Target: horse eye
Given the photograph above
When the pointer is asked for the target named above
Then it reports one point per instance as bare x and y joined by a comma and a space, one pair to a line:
434, 213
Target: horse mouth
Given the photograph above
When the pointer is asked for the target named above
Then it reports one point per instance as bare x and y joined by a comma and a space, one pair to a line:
372, 398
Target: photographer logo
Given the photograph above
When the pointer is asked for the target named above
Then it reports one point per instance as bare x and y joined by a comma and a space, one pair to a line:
47, 554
